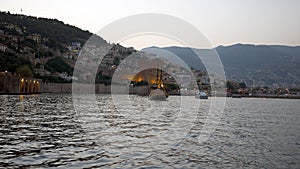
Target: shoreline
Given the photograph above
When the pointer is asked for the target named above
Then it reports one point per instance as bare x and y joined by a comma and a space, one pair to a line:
266, 96
274, 96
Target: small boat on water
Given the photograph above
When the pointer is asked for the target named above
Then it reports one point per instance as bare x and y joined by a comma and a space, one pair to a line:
157, 94
236, 96
158, 90
201, 95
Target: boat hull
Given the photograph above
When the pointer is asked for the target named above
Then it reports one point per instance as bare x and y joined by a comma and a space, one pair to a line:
201, 97
157, 94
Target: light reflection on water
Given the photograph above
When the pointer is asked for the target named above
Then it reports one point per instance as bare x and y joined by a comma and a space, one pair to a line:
46, 131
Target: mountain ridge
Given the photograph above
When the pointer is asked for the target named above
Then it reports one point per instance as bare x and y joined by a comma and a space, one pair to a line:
253, 64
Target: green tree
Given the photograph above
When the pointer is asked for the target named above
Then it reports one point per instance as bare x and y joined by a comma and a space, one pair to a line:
24, 71
57, 64
171, 86
242, 85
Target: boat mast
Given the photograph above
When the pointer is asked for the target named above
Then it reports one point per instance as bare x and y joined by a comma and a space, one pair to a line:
157, 76
160, 79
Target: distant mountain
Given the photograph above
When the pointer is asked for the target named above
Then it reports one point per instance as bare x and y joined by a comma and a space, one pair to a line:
253, 64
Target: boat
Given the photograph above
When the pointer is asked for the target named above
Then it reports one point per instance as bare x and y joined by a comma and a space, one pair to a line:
201, 95
158, 90
236, 96
157, 94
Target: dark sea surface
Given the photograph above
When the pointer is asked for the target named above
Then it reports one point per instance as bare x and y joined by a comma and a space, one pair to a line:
41, 131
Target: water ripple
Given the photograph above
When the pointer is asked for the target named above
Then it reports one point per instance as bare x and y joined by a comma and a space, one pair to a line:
45, 131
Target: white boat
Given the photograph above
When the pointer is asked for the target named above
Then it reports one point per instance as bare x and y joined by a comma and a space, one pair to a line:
201, 95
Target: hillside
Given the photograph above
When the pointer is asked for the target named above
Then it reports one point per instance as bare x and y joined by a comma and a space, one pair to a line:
253, 64
46, 48
55, 30
34, 43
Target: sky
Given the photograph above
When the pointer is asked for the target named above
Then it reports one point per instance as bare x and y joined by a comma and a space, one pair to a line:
222, 22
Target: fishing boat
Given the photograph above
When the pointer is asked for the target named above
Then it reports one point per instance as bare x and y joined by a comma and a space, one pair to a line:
201, 95
158, 90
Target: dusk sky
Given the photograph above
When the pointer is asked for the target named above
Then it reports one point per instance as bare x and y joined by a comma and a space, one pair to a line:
223, 22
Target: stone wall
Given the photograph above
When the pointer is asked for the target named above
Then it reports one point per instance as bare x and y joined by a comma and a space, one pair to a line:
19, 85
91, 88
9, 85
57, 88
